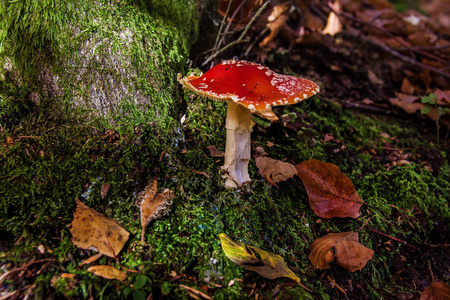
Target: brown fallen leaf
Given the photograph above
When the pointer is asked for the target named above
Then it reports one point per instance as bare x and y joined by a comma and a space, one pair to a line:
104, 189
108, 272
214, 152
331, 193
153, 206
266, 264
275, 170
436, 291
93, 231
343, 248
90, 259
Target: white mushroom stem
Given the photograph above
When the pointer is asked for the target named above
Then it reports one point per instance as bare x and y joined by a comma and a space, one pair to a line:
238, 147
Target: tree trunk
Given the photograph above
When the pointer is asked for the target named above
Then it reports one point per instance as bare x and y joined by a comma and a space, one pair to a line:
101, 56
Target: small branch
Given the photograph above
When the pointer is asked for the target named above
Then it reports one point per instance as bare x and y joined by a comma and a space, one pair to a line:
240, 39
388, 236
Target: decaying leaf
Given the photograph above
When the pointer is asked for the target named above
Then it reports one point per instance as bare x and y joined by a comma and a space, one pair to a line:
104, 189
108, 272
331, 193
436, 291
275, 170
153, 206
93, 231
343, 248
214, 152
266, 264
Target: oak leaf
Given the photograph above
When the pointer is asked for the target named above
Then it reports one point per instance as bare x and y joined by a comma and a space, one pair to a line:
266, 264
153, 206
108, 272
331, 193
436, 291
275, 170
343, 248
93, 231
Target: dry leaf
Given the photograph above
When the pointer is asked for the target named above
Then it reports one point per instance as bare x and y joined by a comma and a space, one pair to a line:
266, 264
153, 206
108, 272
343, 248
93, 231
104, 190
275, 170
90, 259
214, 152
436, 291
331, 193
334, 25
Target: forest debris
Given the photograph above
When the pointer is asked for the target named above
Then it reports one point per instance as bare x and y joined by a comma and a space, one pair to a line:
275, 170
334, 25
93, 231
104, 189
108, 272
214, 152
266, 264
436, 291
331, 193
153, 206
343, 248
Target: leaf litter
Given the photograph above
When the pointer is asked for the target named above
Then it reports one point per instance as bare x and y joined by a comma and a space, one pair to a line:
93, 231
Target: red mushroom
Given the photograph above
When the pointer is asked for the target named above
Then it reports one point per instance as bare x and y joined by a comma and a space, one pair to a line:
248, 88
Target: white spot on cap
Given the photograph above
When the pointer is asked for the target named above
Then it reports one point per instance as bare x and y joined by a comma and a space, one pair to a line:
305, 96
267, 106
251, 107
212, 80
297, 100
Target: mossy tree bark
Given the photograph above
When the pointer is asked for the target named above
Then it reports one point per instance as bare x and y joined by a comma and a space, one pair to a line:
101, 55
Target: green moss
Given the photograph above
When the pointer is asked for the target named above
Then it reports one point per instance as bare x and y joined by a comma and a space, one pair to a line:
56, 158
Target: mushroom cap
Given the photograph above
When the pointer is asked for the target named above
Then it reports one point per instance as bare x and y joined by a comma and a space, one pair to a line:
249, 84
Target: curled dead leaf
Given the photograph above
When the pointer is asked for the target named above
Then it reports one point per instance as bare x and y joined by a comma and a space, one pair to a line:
108, 272
93, 231
153, 206
343, 248
266, 264
331, 193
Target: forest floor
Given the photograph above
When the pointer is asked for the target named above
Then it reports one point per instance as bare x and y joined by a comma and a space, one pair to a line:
370, 120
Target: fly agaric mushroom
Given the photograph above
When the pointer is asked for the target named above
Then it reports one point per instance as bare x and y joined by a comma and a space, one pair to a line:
248, 88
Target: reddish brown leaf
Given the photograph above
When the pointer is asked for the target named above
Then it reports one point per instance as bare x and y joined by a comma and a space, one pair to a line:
331, 193
343, 248
436, 291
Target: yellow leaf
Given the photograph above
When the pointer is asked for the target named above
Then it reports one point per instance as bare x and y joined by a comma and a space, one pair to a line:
266, 264
108, 272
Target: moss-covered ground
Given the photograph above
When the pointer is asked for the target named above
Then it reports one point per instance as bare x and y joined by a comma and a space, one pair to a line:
49, 157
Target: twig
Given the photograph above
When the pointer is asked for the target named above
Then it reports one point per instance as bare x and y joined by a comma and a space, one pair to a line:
240, 39
400, 56
388, 236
